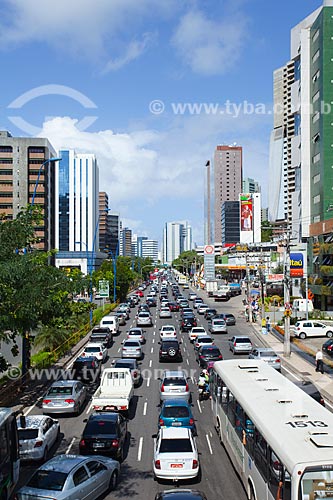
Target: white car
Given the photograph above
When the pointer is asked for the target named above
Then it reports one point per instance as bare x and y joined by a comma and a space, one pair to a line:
195, 331
175, 454
144, 319
168, 332
37, 434
98, 350
201, 340
165, 312
192, 296
202, 308
197, 302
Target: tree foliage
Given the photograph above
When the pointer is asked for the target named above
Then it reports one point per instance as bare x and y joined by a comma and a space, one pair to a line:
266, 231
186, 260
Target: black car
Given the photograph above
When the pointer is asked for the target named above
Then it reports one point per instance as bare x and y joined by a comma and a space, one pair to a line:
170, 351
101, 335
86, 369
180, 494
187, 323
104, 434
208, 353
328, 347
151, 301
311, 390
209, 313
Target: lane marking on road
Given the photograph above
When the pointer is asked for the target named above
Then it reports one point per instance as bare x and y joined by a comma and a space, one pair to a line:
148, 381
25, 413
153, 341
291, 373
89, 408
152, 350
187, 361
211, 434
70, 446
209, 445
145, 408
119, 349
192, 378
199, 405
154, 332
150, 363
184, 348
140, 449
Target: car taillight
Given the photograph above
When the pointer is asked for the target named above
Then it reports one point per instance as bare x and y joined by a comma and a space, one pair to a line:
220, 356
123, 408
135, 374
83, 354
322, 401
69, 401
157, 464
202, 356
162, 388
234, 344
161, 422
115, 443
38, 444
195, 464
278, 360
82, 443
46, 401
191, 421
186, 388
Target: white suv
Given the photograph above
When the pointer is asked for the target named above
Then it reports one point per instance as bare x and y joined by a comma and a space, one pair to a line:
312, 328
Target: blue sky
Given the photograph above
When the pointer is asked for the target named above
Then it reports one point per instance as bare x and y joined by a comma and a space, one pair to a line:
105, 61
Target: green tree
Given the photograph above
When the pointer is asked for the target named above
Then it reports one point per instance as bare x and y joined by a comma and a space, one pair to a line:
186, 259
266, 231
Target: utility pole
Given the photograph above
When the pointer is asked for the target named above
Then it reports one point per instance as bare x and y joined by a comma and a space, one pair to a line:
248, 287
286, 343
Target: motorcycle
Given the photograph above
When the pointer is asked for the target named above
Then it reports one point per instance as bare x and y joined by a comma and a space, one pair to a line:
204, 391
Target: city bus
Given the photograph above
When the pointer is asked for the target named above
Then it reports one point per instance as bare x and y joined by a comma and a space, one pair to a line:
279, 439
9, 453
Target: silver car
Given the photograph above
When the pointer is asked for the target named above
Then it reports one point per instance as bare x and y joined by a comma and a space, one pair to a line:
218, 326
240, 344
165, 312
65, 396
144, 319
131, 349
268, 355
37, 434
136, 334
68, 477
174, 386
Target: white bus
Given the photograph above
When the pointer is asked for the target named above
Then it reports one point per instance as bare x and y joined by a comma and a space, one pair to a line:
279, 439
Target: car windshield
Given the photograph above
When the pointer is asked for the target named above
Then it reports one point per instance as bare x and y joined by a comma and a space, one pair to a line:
168, 329
48, 480
268, 354
92, 349
135, 333
79, 365
27, 434
218, 322
100, 427
174, 381
203, 340
166, 345
176, 412
210, 350
128, 364
243, 341
144, 315
176, 446
131, 344
60, 390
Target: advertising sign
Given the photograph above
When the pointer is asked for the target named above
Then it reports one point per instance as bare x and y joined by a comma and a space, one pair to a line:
103, 288
246, 212
296, 265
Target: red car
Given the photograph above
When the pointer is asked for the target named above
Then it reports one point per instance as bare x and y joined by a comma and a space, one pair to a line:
139, 292
174, 306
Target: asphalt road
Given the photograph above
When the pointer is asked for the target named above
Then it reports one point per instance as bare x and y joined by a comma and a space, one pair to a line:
218, 478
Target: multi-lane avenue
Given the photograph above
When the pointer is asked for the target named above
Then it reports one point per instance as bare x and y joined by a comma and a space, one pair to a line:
217, 474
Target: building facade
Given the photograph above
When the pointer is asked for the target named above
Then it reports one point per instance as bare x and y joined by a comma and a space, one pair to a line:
24, 178
150, 249
251, 186
125, 242
228, 177
173, 241
230, 222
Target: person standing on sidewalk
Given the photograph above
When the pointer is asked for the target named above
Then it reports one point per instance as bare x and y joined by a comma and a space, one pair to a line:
319, 361
268, 324
263, 326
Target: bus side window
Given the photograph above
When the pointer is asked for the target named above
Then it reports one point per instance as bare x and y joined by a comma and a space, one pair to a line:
4, 451
231, 407
286, 485
248, 435
260, 454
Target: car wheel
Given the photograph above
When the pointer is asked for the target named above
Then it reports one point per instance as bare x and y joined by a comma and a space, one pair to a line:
329, 334
113, 481
302, 336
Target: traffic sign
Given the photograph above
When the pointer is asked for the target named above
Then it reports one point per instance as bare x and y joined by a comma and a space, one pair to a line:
287, 312
287, 306
209, 250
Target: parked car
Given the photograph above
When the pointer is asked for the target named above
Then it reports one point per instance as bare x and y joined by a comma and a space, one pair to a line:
208, 353
202, 308
174, 385
98, 350
176, 413
180, 494
66, 477
65, 396
168, 332
311, 328
210, 313
37, 434
133, 366
131, 349
175, 454
327, 347
188, 323
202, 340
165, 312
240, 344
105, 433
218, 326
144, 319
268, 355
170, 351
86, 369
136, 334
195, 331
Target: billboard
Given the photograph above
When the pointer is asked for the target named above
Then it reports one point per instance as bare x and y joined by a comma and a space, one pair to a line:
246, 212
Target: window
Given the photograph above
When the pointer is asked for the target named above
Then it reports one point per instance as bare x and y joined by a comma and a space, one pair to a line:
95, 467
80, 476
6, 149
316, 96
316, 199
316, 56
275, 475
316, 158
315, 36
260, 454
6, 161
4, 451
316, 76
316, 179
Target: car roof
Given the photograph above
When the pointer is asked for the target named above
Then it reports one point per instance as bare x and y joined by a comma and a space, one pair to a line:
265, 349
203, 337
82, 359
175, 432
168, 326
176, 402
31, 421
174, 374
63, 383
136, 328
110, 416
64, 463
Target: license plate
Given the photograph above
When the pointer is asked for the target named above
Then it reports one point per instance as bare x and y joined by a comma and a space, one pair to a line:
176, 424
98, 445
176, 466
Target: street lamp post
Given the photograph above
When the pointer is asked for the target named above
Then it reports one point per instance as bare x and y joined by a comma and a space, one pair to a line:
50, 160
114, 258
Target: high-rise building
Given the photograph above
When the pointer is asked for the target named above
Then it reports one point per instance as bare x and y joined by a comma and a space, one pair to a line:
230, 222
228, 178
150, 249
251, 186
208, 206
104, 221
187, 236
125, 242
173, 241
77, 211
113, 220
21, 167
139, 245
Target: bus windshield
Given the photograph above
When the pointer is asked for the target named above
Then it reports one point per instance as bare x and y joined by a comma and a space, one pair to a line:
316, 484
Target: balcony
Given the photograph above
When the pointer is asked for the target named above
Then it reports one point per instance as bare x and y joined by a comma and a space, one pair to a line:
326, 270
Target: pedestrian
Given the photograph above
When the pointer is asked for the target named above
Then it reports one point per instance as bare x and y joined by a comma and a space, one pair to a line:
263, 326
319, 361
268, 324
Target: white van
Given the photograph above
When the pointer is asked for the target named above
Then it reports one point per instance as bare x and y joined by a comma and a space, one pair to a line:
299, 305
110, 322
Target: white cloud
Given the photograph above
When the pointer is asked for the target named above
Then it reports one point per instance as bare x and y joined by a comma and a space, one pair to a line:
95, 31
210, 46
134, 50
